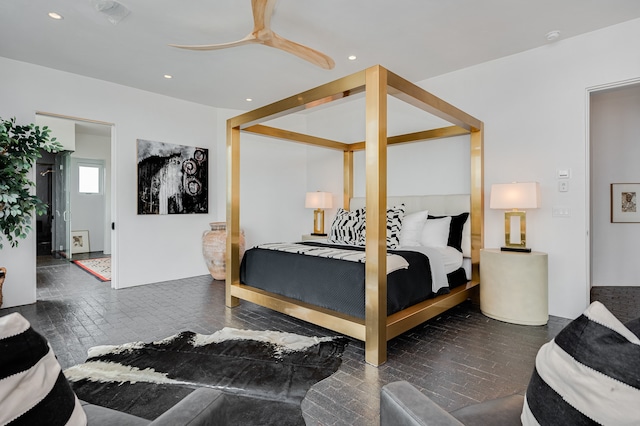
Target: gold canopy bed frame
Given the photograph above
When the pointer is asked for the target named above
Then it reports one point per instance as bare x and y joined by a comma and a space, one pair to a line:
377, 83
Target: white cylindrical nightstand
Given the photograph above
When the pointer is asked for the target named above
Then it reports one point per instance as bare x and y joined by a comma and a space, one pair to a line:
514, 286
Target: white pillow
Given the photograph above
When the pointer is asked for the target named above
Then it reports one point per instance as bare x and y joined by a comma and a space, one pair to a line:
435, 232
411, 232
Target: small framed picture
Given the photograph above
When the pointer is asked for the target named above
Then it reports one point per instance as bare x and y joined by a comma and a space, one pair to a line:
80, 242
624, 202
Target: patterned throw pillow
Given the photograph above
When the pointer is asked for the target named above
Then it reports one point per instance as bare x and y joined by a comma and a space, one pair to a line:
588, 374
394, 227
32, 386
347, 227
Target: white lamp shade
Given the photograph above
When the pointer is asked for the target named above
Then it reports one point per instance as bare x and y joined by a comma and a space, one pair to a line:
516, 195
318, 200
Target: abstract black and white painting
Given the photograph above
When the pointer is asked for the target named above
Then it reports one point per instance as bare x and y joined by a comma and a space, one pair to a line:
172, 179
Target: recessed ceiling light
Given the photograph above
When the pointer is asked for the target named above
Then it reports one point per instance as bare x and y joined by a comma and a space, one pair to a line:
54, 15
553, 35
352, 57
168, 76
248, 99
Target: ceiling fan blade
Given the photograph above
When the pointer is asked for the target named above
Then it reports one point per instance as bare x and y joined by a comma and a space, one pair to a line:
304, 52
262, 11
247, 40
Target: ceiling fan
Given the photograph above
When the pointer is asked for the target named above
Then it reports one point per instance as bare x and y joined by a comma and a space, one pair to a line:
262, 34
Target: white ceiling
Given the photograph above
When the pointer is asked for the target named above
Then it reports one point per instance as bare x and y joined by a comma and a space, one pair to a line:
416, 39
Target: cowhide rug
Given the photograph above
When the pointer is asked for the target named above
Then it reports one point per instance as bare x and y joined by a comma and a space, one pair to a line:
264, 374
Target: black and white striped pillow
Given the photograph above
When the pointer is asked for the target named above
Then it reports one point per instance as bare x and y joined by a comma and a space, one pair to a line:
588, 374
395, 215
347, 227
33, 389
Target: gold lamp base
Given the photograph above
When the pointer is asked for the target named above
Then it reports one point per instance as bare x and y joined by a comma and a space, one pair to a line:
515, 239
318, 222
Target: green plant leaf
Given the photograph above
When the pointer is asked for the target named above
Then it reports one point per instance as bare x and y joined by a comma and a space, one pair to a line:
20, 147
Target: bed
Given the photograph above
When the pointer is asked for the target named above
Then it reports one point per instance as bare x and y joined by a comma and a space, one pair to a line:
426, 258
377, 323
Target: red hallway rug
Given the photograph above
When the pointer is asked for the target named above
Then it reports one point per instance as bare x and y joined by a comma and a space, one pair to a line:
100, 267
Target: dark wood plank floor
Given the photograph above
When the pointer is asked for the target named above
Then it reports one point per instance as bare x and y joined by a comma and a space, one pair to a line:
459, 358
623, 302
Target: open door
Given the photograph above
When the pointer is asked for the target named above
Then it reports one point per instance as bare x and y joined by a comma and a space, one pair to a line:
62, 205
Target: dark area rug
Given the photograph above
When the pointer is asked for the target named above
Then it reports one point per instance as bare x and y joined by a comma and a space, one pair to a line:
264, 374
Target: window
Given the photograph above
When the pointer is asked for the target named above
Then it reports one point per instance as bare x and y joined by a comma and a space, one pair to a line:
89, 179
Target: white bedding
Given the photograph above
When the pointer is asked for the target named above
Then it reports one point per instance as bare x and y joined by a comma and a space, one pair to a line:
443, 260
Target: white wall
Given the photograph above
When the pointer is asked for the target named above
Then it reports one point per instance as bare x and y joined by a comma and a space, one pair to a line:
273, 183
615, 126
148, 248
416, 168
534, 108
324, 173
63, 130
440, 166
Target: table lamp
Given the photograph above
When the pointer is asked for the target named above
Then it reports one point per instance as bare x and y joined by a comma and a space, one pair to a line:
318, 201
512, 197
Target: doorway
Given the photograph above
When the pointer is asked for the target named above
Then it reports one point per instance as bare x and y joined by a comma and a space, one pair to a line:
612, 112
64, 181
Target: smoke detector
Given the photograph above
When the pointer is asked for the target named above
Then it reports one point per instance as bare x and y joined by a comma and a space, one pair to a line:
553, 35
112, 10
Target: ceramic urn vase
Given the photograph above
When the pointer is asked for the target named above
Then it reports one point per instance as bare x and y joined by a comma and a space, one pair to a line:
214, 249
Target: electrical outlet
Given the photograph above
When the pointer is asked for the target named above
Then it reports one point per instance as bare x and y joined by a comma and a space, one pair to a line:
563, 186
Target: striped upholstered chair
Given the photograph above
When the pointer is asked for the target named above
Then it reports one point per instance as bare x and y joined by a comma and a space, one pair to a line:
588, 374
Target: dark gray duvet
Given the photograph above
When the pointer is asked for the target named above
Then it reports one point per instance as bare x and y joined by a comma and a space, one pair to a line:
338, 284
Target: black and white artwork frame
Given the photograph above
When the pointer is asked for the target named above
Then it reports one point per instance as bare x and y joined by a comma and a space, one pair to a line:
624, 199
172, 179
80, 242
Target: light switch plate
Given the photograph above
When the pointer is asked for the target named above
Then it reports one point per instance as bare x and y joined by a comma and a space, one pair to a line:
564, 173
561, 211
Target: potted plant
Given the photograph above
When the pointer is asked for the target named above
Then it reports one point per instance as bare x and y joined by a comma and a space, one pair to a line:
20, 147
